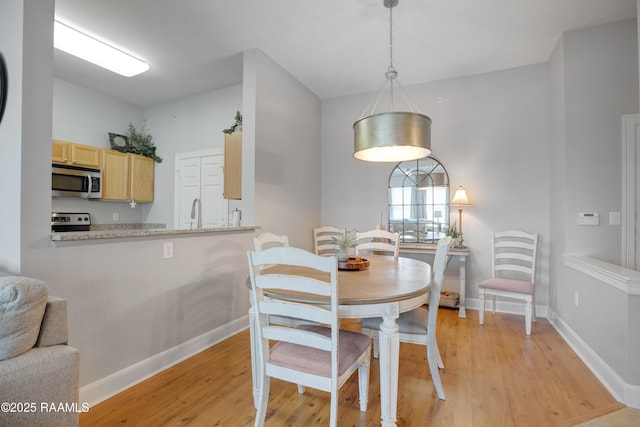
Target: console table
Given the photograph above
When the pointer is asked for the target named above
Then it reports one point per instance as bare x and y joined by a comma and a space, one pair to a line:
461, 253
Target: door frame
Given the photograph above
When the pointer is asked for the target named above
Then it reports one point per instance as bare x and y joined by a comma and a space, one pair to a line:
630, 149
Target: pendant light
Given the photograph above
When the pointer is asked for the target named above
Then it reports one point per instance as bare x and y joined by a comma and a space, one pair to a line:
392, 136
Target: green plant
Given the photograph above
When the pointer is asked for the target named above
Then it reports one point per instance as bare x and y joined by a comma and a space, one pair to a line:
141, 142
452, 231
348, 240
237, 123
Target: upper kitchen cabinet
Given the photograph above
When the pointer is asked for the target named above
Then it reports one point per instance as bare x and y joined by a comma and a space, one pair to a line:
115, 175
141, 176
233, 165
127, 177
75, 154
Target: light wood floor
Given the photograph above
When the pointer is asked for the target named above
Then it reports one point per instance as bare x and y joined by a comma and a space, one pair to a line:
494, 376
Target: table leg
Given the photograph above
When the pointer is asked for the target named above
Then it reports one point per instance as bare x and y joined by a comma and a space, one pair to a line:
389, 365
463, 287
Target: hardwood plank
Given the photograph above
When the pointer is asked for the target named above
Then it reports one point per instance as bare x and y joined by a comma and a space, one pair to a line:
494, 375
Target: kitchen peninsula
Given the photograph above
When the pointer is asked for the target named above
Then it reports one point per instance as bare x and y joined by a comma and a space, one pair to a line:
141, 230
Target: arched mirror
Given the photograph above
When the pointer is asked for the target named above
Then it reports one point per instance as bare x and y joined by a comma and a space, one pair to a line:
419, 200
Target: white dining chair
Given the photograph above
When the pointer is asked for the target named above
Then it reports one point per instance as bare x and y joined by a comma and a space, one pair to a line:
322, 357
267, 240
379, 241
418, 326
270, 240
513, 266
323, 239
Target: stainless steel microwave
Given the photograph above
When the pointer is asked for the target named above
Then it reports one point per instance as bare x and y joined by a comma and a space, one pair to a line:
76, 181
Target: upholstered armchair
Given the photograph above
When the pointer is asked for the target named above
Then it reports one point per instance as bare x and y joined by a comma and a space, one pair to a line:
39, 372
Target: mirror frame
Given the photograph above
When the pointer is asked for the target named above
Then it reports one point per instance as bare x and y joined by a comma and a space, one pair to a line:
420, 210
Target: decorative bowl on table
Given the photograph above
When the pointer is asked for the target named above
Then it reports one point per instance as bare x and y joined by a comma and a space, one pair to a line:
354, 263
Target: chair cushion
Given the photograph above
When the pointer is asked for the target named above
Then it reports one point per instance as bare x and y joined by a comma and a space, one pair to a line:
22, 304
411, 322
511, 285
318, 362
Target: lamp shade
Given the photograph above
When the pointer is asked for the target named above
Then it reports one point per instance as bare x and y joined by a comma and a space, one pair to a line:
392, 137
460, 198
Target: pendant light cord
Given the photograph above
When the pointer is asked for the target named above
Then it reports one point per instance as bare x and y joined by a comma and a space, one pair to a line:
391, 76
391, 39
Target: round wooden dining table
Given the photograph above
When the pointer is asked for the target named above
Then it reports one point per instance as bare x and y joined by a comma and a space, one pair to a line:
388, 287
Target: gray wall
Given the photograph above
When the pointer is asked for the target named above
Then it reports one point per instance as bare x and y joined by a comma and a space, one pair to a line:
190, 124
287, 149
26, 30
595, 81
491, 132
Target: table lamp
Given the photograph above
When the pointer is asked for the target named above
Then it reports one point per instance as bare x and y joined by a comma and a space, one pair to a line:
460, 199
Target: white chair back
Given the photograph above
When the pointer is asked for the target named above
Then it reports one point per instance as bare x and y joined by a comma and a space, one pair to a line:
514, 255
268, 240
439, 266
378, 240
323, 239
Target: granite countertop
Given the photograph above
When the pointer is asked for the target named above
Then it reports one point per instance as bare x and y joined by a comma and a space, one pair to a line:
115, 231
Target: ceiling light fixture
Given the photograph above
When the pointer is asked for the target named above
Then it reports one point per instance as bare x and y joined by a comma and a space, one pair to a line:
92, 50
393, 136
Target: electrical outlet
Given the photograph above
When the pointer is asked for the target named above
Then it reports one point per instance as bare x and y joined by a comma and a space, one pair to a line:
575, 298
168, 250
115, 216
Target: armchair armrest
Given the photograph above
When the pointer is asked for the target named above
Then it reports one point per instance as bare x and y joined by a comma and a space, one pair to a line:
54, 330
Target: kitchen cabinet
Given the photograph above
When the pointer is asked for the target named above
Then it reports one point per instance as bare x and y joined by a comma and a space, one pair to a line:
141, 177
127, 177
115, 175
75, 154
233, 165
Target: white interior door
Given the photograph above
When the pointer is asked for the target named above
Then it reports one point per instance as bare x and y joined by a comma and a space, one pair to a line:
199, 175
214, 211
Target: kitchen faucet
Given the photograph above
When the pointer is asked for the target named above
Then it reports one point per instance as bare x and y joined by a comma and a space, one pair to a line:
193, 213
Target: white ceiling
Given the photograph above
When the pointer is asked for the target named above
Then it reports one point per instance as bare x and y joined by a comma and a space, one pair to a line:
334, 47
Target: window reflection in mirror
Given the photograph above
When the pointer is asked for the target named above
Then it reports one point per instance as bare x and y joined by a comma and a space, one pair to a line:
419, 200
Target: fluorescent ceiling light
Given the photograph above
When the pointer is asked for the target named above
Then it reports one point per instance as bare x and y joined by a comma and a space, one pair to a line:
86, 47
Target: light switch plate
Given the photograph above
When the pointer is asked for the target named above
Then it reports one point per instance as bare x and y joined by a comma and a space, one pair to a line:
614, 218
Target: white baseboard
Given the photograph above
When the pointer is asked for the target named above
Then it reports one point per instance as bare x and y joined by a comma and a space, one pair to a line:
600, 369
113, 384
626, 393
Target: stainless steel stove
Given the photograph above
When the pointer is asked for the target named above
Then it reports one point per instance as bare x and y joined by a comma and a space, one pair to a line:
70, 221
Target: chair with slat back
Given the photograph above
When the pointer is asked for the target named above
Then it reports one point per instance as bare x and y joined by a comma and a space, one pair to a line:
378, 241
322, 357
513, 267
418, 326
323, 239
267, 240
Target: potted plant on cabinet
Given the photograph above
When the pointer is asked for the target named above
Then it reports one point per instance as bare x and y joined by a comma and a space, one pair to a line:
141, 142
